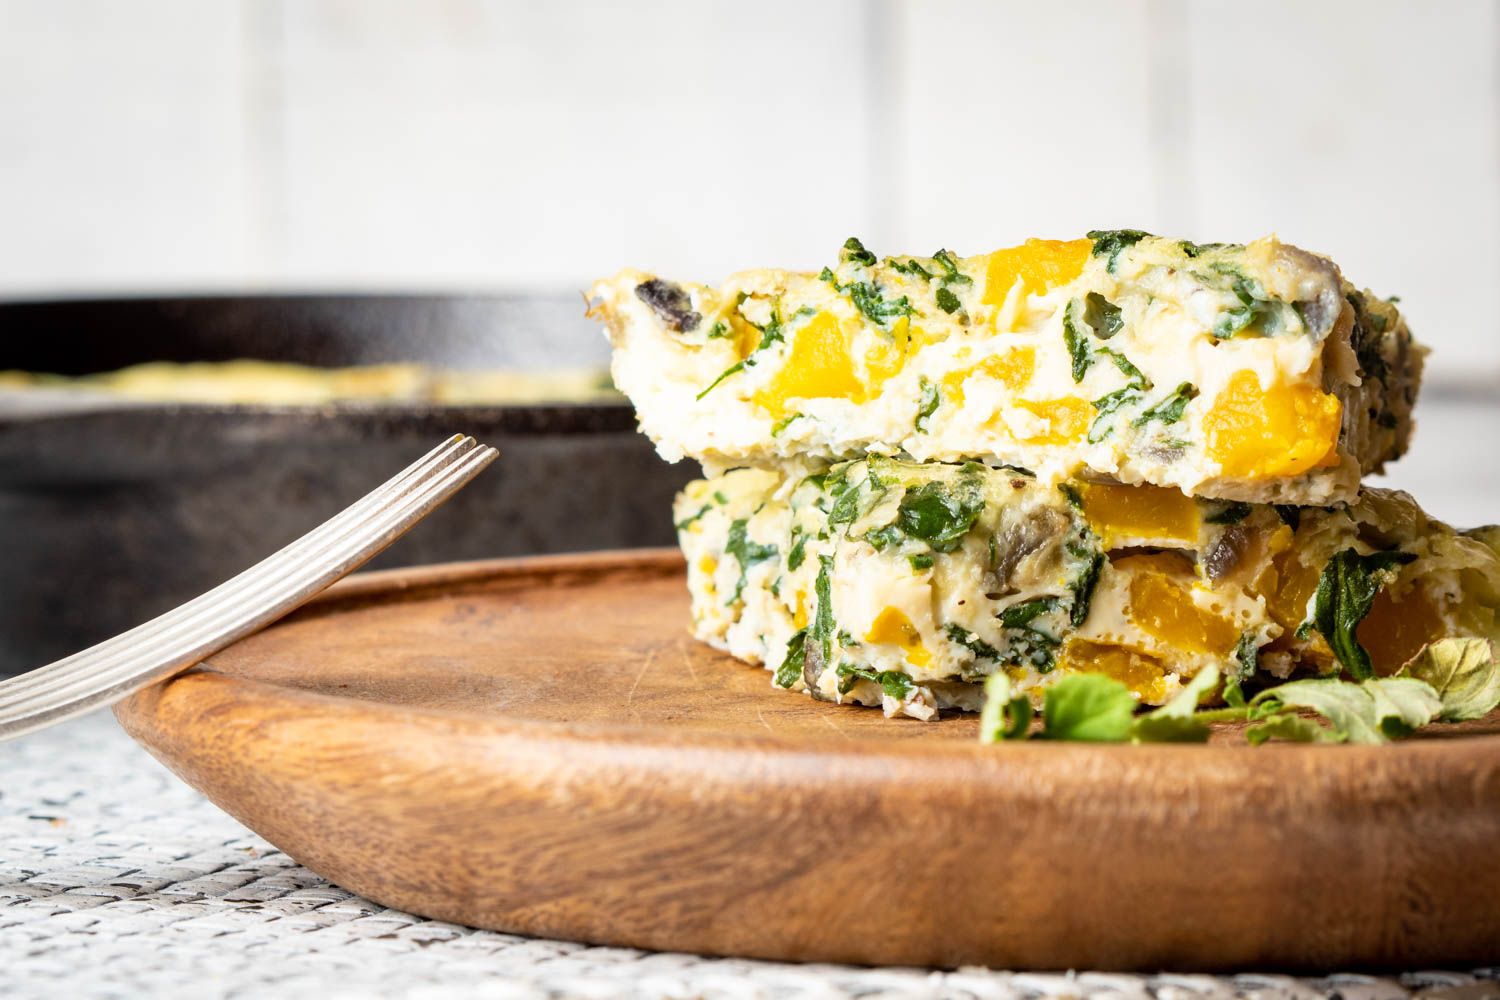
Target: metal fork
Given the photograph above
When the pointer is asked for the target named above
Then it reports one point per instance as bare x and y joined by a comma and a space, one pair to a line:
119, 667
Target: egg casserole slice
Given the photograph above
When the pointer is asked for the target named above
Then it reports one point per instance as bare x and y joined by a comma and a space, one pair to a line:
1244, 372
904, 585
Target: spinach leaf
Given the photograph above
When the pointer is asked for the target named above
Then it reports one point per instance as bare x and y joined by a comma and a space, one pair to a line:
719, 330
1256, 314
745, 552
1111, 242
1138, 380
1232, 512
685, 522
790, 671
822, 628
1106, 406
951, 274
1290, 514
1019, 615
1083, 589
895, 683
920, 561
1168, 410
798, 553
855, 251
1102, 316
1195, 249
927, 402
785, 422
1077, 344
947, 301
938, 514
957, 633
908, 267
1346, 589
774, 332
867, 299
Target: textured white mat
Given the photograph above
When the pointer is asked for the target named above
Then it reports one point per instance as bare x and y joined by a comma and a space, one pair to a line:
116, 880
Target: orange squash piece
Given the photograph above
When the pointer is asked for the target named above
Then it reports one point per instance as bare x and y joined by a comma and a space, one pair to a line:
1041, 264
1256, 433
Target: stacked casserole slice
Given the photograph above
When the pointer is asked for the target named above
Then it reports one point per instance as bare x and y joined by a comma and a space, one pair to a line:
1123, 455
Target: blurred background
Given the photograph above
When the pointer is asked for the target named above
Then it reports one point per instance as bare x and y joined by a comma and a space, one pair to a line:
520, 148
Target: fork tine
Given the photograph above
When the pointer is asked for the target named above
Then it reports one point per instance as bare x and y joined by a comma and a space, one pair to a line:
115, 668
305, 547
123, 654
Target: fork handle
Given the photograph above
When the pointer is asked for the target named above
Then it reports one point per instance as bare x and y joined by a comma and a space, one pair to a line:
167, 645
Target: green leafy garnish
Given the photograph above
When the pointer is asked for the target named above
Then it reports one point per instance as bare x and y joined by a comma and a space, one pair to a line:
947, 301
1464, 675
927, 402
1138, 379
920, 561
1006, 715
790, 670
1087, 707
1178, 720
718, 330
685, 522
1346, 589
1373, 711
745, 552
1168, 410
1111, 242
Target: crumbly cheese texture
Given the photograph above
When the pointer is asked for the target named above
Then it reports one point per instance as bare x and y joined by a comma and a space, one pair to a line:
1245, 372
904, 585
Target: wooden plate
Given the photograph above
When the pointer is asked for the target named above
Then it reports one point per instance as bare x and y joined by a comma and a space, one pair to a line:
538, 746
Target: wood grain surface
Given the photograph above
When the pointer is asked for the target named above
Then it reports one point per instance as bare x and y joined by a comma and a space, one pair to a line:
538, 746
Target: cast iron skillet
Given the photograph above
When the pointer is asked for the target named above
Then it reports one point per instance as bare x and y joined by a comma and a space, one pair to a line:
111, 515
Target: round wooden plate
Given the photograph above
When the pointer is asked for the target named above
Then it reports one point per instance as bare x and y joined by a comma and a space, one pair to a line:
538, 746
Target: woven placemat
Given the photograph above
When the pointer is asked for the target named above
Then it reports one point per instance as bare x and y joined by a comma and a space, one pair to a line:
117, 880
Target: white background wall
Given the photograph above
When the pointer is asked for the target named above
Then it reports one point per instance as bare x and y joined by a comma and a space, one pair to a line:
472, 144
